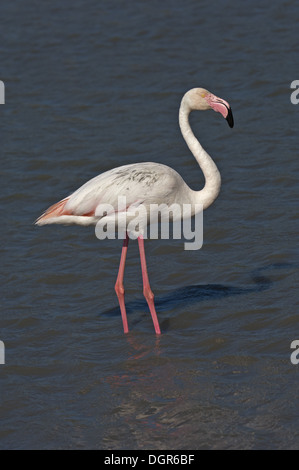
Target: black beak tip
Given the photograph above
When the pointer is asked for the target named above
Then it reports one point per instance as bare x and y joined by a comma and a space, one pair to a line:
230, 118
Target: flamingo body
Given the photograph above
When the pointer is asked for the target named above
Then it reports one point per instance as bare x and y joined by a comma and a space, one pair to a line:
144, 183
141, 183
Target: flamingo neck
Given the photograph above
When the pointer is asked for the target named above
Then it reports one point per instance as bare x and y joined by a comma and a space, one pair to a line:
211, 189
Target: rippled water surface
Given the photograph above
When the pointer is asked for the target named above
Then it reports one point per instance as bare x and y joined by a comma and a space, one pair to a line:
98, 84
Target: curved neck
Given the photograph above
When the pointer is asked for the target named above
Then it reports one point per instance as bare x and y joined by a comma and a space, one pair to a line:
211, 173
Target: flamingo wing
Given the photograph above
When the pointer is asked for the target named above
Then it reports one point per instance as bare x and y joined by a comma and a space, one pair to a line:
138, 182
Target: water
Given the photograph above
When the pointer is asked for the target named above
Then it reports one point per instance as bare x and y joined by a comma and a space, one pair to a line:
93, 85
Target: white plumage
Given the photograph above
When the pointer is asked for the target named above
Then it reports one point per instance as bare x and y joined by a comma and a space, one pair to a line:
145, 183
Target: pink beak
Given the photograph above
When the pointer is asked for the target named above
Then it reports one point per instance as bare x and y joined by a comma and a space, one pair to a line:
221, 106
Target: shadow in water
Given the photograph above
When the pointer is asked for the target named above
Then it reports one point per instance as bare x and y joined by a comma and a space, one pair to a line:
188, 295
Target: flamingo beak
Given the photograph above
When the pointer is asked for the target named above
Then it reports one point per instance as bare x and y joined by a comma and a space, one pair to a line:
230, 118
220, 106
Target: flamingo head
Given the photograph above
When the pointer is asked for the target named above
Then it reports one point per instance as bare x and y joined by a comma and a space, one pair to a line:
201, 99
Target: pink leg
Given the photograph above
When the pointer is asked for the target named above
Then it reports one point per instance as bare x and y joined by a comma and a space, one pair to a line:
146, 286
119, 286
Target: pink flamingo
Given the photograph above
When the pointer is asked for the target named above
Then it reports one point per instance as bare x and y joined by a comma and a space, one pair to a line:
146, 183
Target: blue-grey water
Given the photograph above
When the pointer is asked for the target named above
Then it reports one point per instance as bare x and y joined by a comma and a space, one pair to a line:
92, 85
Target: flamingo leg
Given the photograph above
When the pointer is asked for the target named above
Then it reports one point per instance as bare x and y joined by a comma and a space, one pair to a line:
147, 292
119, 286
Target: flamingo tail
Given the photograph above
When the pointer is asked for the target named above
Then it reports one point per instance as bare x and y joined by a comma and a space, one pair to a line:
54, 211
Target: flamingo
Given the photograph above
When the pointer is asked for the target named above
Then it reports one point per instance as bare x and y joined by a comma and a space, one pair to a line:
145, 183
